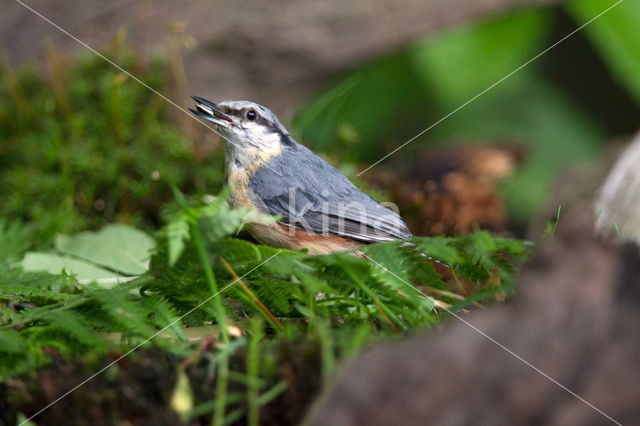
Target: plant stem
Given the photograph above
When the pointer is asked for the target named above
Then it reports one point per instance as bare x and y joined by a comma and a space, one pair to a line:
326, 351
223, 363
253, 371
221, 317
221, 389
211, 281
258, 303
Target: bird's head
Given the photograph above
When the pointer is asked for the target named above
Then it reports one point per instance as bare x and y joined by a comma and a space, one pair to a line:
249, 129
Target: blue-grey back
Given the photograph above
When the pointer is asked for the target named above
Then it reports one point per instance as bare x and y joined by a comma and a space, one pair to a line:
311, 194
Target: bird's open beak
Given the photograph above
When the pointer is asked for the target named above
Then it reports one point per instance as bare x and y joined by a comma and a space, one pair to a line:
211, 112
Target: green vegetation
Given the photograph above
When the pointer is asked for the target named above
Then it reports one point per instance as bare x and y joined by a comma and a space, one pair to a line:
111, 239
342, 300
91, 147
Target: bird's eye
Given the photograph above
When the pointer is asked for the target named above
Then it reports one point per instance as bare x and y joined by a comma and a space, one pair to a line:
251, 115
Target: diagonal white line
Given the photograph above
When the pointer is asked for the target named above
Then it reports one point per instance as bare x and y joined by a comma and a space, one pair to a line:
492, 86
190, 115
115, 65
146, 340
58, 27
501, 346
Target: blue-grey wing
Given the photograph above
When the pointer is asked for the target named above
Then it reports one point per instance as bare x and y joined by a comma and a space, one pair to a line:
312, 195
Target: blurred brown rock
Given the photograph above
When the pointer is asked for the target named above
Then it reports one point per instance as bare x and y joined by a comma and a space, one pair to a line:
452, 191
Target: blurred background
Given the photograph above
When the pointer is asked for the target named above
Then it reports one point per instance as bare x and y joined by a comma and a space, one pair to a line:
83, 144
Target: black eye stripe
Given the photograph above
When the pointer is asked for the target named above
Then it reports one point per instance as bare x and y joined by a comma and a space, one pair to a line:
262, 115
260, 118
230, 111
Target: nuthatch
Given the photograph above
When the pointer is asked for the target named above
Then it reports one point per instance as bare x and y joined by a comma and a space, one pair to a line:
319, 208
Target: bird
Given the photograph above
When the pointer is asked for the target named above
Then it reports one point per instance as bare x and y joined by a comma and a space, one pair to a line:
318, 208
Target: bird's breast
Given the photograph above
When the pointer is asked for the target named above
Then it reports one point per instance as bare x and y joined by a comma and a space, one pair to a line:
238, 182
242, 164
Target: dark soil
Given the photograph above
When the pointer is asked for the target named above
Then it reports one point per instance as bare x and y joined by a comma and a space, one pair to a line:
138, 389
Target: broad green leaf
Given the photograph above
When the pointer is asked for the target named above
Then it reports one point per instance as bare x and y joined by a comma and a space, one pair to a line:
458, 64
616, 34
56, 264
357, 116
118, 247
461, 64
